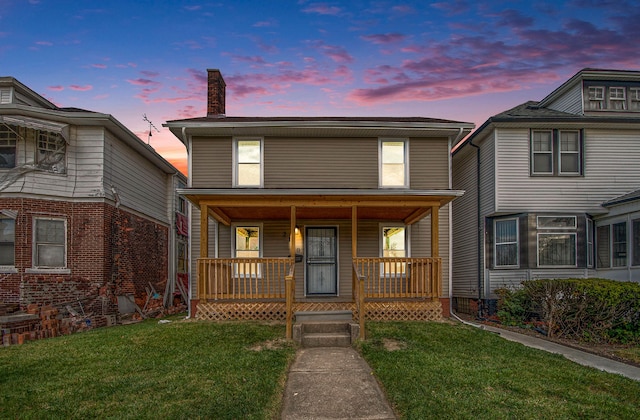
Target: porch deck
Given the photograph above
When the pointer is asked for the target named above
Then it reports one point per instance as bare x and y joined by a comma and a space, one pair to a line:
264, 289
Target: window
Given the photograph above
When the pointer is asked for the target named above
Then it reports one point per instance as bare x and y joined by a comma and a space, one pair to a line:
634, 96
7, 241
619, 242
183, 261
394, 245
50, 239
636, 242
567, 144
596, 97
570, 152
8, 140
248, 163
557, 248
506, 243
247, 245
589, 243
393, 163
542, 152
617, 98
51, 152
602, 244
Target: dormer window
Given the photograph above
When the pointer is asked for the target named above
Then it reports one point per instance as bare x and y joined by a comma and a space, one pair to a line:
596, 97
617, 98
634, 97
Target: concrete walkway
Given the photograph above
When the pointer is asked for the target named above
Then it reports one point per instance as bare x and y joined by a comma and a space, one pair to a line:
333, 383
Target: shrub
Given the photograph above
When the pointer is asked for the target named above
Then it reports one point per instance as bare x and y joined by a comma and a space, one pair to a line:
585, 309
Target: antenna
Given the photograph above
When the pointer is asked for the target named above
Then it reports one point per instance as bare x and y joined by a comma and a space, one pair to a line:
144, 117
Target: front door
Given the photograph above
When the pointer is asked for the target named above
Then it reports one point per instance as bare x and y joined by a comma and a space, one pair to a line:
322, 260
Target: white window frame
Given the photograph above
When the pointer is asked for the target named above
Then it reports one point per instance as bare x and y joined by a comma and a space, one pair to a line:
236, 163
578, 152
35, 243
558, 233
234, 249
541, 227
635, 242
595, 96
385, 268
615, 242
516, 242
9, 140
51, 150
614, 96
381, 142
534, 152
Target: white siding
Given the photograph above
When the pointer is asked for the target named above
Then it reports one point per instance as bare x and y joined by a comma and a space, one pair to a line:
512, 279
610, 169
570, 102
140, 185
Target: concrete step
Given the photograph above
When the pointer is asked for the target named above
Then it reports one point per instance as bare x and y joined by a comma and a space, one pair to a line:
325, 327
309, 316
326, 340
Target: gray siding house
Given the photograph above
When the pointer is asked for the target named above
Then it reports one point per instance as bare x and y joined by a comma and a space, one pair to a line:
352, 213
551, 190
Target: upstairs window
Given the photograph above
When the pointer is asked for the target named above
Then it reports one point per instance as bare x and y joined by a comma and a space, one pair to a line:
634, 99
617, 98
50, 243
596, 97
565, 144
7, 241
506, 243
51, 152
248, 169
8, 141
393, 163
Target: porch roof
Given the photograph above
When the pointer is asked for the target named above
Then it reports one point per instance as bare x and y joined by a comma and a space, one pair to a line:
407, 206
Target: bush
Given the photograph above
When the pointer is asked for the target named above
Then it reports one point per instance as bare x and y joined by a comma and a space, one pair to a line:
585, 309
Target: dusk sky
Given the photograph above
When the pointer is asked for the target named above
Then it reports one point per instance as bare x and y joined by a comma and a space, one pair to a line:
458, 60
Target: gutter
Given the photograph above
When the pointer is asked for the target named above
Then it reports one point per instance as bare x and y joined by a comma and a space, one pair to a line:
478, 217
450, 159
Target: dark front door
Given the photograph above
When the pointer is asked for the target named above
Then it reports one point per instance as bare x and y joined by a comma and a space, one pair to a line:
322, 260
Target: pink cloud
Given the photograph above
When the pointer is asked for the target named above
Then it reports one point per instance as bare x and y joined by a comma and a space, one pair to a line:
56, 88
99, 66
149, 73
335, 52
81, 88
142, 82
322, 9
384, 38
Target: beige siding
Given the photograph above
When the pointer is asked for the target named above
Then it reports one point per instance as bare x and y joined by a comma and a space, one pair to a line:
321, 163
512, 279
429, 163
211, 160
604, 150
140, 185
465, 224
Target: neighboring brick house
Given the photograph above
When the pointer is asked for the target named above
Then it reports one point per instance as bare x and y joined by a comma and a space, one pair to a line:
551, 190
324, 205
88, 212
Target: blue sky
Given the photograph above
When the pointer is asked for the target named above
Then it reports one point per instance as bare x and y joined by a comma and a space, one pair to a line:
459, 60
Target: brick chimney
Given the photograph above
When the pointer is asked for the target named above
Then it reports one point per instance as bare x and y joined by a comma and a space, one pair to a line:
215, 93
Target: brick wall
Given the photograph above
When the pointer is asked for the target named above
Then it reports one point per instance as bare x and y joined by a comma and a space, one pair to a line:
109, 252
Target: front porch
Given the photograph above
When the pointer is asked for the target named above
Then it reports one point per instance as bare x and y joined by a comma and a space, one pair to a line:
275, 288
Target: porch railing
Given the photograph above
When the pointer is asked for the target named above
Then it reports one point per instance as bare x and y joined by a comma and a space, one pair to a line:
243, 278
400, 278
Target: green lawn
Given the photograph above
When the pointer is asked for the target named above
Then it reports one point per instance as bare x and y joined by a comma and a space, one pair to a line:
147, 370
459, 372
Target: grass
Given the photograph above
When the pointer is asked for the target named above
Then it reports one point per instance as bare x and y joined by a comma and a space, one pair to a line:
631, 353
149, 370
455, 371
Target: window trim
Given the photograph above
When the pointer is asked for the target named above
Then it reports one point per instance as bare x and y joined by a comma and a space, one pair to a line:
5, 143
556, 153
590, 243
613, 243
35, 245
622, 100
574, 227
517, 242
407, 254
534, 153
236, 163
577, 152
234, 249
9, 267
635, 242
405, 142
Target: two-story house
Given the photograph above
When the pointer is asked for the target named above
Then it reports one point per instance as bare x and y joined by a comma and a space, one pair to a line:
88, 212
551, 190
352, 213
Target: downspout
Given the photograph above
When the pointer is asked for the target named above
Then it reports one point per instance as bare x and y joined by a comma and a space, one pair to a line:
186, 140
451, 143
480, 228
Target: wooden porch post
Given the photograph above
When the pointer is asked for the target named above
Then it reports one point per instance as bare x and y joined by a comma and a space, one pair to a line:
289, 282
204, 231
357, 283
436, 271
